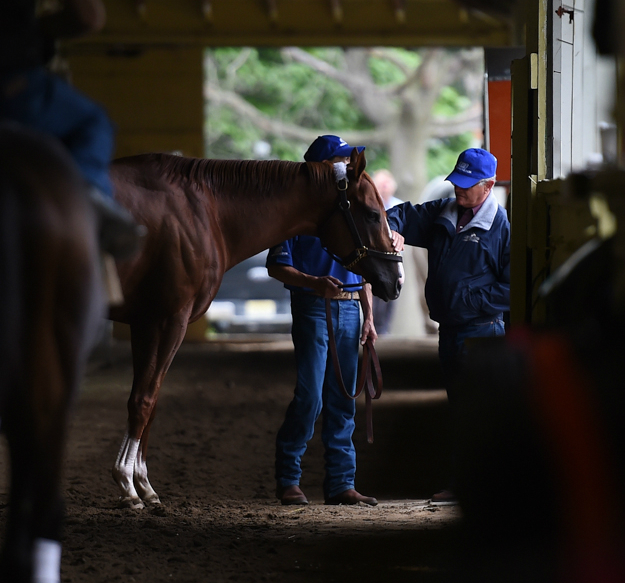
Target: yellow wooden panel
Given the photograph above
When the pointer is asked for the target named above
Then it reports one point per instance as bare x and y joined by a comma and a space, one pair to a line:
136, 60
147, 103
154, 97
187, 144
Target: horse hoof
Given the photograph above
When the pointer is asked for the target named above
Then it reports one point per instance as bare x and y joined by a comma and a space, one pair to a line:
133, 503
153, 500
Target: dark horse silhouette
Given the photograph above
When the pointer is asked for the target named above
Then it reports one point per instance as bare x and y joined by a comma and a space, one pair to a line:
202, 218
52, 306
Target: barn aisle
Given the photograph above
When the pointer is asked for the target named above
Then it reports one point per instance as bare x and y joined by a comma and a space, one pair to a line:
211, 461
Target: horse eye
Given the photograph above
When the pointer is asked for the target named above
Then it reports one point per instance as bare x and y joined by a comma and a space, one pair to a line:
373, 216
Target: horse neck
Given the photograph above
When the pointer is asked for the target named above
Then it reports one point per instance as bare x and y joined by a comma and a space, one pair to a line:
249, 227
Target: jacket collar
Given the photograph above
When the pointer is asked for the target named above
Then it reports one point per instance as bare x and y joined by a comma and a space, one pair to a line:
483, 219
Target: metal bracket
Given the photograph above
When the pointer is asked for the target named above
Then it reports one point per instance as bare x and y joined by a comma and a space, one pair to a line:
561, 11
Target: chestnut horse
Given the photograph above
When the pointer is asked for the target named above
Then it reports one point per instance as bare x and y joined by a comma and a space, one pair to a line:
52, 306
202, 218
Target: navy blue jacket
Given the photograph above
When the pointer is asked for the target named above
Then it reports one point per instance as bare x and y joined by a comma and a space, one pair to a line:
468, 272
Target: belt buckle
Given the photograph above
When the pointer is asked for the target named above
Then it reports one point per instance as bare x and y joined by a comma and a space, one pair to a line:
346, 295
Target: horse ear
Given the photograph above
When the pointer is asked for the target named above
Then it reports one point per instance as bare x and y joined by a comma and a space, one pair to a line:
357, 163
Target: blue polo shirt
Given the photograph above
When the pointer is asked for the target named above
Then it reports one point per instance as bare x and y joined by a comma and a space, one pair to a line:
306, 254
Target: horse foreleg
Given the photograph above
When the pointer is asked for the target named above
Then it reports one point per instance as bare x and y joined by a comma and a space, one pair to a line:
131, 474
123, 472
140, 475
32, 544
154, 348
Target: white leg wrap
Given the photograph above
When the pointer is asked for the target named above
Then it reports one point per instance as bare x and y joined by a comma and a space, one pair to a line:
46, 561
123, 472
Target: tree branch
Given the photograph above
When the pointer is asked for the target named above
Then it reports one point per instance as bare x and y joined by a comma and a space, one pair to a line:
319, 65
387, 55
219, 97
370, 98
469, 120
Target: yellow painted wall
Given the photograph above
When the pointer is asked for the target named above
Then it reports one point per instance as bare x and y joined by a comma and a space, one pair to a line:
154, 96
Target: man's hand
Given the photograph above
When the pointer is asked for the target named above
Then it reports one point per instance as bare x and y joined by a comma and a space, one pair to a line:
368, 330
397, 240
327, 286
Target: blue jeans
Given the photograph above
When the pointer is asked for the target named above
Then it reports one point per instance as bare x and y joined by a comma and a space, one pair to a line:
452, 345
452, 350
317, 391
52, 106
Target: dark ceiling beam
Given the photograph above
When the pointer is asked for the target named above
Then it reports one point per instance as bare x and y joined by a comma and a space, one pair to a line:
406, 23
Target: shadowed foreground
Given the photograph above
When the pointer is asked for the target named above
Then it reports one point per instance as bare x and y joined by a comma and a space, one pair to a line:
212, 461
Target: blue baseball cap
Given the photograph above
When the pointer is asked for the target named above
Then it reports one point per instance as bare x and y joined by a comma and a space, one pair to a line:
472, 166
327, 147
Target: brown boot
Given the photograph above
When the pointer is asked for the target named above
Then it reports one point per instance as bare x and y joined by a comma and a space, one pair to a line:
291, 495
351, 496
444, 498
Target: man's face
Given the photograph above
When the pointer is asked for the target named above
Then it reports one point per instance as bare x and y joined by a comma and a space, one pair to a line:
474, 195
336, 159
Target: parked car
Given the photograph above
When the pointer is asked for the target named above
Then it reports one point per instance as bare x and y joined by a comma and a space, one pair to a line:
250, 301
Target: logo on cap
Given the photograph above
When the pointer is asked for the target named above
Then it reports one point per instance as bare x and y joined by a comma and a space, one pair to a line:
472, 166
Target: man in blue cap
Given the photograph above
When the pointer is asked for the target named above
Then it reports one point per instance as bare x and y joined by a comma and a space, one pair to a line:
468, 242
312, 275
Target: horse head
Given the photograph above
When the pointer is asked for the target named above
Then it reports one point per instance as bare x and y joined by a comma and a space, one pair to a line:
357, 232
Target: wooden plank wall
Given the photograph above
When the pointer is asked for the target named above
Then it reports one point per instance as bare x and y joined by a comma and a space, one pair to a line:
154, 96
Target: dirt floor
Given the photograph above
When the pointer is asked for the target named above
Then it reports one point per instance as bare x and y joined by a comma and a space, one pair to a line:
211, 461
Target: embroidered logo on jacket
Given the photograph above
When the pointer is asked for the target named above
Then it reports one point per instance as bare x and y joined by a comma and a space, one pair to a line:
472, 238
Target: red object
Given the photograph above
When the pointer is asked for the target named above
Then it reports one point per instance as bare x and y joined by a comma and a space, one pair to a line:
499, 99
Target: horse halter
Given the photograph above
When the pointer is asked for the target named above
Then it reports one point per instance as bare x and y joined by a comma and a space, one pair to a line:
361, 250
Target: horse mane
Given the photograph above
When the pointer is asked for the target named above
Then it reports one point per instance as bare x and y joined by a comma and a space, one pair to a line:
267, 176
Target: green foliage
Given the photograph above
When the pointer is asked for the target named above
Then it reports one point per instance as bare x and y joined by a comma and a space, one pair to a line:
385, 72
442, 154
288, 91
450, 102
229, 136
296, 94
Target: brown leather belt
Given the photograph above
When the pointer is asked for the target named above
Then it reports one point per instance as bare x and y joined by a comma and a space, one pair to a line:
343, 295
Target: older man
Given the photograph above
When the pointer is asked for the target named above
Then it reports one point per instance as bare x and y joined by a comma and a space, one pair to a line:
468, 285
